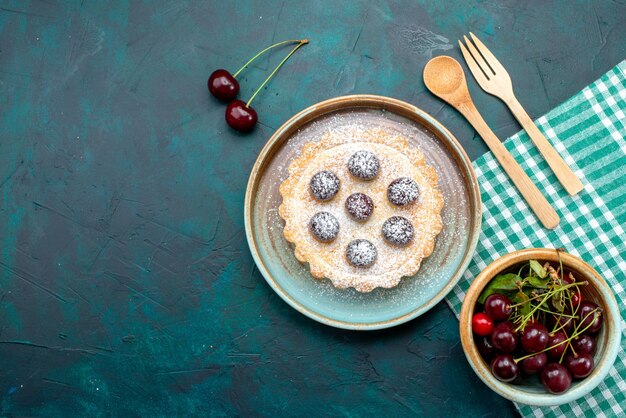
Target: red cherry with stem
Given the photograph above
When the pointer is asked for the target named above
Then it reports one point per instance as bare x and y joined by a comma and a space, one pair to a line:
534, 364
577, 297
535, 337
248, 114
579, 366
240, 117
224, 86
498, 307
482, 324
590, 316
504, 368
584, 344
557, 344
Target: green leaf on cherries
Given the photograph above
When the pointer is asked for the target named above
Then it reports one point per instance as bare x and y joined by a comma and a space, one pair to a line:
558, 301
503, 283
522, 299
538, 268
538, 282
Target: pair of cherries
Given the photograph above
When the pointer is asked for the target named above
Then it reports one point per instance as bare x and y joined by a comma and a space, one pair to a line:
224, 86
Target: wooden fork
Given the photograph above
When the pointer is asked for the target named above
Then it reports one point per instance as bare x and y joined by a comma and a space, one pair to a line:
495, 80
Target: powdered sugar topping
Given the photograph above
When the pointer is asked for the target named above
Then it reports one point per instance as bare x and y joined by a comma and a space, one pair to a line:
324, 226
324, 185
360, 206
398, 230
361, 253
364, 165
403, 191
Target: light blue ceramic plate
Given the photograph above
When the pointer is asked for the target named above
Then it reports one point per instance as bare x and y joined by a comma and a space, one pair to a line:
347, 308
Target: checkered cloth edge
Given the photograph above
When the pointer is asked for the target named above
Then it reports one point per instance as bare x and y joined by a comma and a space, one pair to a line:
589, 132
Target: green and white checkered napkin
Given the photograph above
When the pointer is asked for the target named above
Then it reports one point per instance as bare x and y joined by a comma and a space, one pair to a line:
589, 131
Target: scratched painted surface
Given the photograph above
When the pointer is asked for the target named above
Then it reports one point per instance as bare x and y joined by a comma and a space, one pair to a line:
126, 285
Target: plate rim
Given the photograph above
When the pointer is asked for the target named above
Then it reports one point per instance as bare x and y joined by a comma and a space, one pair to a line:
407, 110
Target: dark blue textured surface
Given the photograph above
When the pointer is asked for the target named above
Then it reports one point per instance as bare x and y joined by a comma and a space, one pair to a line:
126, 285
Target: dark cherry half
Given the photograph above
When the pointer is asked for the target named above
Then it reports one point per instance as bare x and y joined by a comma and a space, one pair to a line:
485, 348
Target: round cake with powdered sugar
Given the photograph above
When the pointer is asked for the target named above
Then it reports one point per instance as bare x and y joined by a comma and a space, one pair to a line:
362, 208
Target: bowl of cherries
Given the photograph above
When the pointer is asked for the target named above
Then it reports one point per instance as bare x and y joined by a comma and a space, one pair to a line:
540, 327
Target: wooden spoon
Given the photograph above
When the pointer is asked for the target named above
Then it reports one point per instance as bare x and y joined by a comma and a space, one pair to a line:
444, 77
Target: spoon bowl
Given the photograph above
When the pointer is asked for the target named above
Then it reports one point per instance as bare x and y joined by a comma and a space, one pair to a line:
444, 76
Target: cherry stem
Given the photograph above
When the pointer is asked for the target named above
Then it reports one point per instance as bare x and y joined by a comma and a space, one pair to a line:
264, 51
548, 293
576, 333
569, 344
566, 341
558, 253
545, 297
300, 43
557, 313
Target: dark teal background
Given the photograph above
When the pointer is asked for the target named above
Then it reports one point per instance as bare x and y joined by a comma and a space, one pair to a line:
126, 284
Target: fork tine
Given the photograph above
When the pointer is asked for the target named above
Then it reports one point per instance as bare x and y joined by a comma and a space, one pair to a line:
478, 73
491, 59
480, 60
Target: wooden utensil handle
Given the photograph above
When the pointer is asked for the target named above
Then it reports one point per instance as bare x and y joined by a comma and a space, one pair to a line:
535, 199
566, 176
